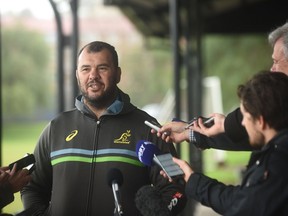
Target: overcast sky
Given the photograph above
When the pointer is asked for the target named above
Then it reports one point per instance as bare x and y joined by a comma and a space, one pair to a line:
40, 8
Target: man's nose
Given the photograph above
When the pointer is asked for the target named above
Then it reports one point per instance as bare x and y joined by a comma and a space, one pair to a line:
94, 74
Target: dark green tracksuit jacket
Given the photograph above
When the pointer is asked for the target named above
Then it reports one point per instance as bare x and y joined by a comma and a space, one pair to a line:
76, 151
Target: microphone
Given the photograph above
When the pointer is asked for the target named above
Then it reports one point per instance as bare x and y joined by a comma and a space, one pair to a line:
149, 202
149, 154
146, 152
115, 180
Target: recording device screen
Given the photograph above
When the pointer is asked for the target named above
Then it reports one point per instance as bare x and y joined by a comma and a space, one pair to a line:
167, 164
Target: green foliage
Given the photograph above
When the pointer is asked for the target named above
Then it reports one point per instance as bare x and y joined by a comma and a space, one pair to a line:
235, 59
148, 71
231, 171
25, 58
147, 74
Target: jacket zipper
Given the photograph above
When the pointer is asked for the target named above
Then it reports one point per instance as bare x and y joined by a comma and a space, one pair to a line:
92, 170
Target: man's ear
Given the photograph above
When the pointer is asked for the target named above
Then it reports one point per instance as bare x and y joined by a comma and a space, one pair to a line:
261, 122
76, 73
118, 76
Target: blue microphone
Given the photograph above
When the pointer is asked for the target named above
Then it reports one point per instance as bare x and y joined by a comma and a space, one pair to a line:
149, 154
146, 152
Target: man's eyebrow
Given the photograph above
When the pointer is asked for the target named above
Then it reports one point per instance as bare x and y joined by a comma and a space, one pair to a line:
89, 66
104, 64
83, 66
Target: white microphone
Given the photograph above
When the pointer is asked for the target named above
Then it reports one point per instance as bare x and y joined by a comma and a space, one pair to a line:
115, 180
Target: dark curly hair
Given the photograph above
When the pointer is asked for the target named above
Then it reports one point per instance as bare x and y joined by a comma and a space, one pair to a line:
266, 94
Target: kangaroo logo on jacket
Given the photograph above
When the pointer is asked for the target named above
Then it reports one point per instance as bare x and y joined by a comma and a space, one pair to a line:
71, 135
124, 138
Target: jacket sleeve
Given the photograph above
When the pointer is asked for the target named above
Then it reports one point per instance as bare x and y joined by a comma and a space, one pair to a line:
37, 194
235, 137
220, 141
233, 127
210, 192
263, 182
6, 196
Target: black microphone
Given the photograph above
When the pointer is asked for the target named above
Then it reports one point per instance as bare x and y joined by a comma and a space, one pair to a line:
115, 180
149, 202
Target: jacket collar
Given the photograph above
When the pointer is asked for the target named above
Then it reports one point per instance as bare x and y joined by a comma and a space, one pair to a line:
121, 105
277, 140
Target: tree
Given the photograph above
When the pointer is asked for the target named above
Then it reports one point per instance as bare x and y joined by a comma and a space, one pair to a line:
235, 58
25, 78
147, 72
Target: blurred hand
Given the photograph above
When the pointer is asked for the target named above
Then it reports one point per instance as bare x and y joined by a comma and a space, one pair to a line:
216, 128
4, 176
18, 179
173, 132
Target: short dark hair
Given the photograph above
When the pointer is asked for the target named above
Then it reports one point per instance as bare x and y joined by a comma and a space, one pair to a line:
97, 46
266, 94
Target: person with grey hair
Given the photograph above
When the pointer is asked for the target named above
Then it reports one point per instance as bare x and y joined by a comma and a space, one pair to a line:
227, 133
279, 41
264, 189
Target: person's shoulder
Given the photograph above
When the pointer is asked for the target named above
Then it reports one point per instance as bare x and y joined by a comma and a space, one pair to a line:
278, 149
65, 114
144, 114
281, 142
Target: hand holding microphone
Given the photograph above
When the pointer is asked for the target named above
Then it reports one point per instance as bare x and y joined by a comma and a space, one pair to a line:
210, 126
178, 131
173, 131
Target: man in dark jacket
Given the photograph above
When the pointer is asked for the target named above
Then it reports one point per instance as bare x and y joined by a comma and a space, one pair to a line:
264, 189
227, 133
79, 148
236, 135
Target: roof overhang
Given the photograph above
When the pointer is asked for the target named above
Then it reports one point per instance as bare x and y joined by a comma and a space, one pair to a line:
217, 16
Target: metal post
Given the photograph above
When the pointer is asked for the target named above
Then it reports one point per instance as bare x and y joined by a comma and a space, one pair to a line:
193, 66
74, 44
60, 57
174, 34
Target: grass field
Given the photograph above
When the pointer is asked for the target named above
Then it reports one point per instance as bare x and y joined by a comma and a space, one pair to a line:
20, 138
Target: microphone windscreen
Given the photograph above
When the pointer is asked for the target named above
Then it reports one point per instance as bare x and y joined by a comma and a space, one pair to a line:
114, 175
149, 202
145, 151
